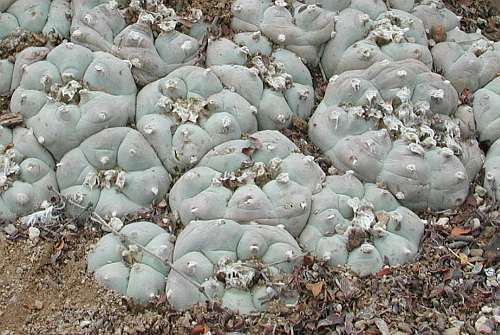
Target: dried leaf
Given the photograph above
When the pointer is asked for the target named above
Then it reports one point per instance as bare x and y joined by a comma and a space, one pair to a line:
315, 288
199, 329
459, 231
384, 272
248, 151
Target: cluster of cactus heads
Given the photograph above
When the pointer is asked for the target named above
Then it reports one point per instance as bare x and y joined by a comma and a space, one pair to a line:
65, 102
360, 41
302, 30
469, 61
245, 194
393, 124
133, 260
288, 88
486, 109
190, 111
227, 267
360, 225
261, 180
26, 173
114, 172
100, 26
41, 16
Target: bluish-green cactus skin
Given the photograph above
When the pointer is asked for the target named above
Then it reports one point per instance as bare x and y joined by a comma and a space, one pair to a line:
492, 171
131, 271
27, 177
99, 26
219, 187
469, 61
41, 16
435, 13
360, 42
65, 101
288, 89
360, 225
302, 29
114, 172
190, 111
11, 73
201, 255
353, 142
487, 111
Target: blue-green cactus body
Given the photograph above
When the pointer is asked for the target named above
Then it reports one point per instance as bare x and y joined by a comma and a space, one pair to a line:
204, 257
122, 267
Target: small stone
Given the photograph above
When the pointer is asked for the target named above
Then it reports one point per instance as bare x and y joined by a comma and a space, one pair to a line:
476, 224
486, 309
85, 323
33, 233
10, 229
442, 221
484, 326
38, 304
476, 252
452, 331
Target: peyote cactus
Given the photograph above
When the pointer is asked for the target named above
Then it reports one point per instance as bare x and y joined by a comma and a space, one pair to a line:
303, 32
360, 42
360, 225
192, 110
100, 26
45, 16
119, 262
26, 173
226, 267
288, 84
72, 94
115, 172
433, 13
469, 61
11, 73
259, 180
414, 152
492, 171
188, 112
487, 111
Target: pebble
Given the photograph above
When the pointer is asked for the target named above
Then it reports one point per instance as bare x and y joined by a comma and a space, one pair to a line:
10, 229
452, 331
476, 224
442, 221
38, 304
476, 252
484, 326
33, 233
85, 323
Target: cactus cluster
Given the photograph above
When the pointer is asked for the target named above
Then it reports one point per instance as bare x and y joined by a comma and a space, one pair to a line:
114, 172
486, 108
393, 124
133, 264
26, 173
65, 102
129, 100
227, 267
302, 30
41, 16
469, 61
288, 88
261, 180
360, 41
360, 225
100, 26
